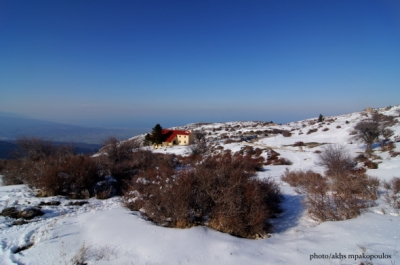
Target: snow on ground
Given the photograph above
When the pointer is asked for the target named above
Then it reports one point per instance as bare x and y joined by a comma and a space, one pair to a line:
104, 232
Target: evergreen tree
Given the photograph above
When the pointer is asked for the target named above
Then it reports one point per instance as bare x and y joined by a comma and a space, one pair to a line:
321, 118
157, 136
147, 140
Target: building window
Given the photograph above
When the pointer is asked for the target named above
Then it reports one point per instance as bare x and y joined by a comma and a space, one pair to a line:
179, 141
185, 142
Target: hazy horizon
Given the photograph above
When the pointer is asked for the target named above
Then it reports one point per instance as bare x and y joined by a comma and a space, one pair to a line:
132, 64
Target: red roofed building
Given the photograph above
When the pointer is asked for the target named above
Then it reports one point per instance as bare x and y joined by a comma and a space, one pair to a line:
177, 137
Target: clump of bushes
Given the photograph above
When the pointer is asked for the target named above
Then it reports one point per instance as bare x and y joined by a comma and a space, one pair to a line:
300, 143
220, 192
370, 164
249, 150
333, 198
54, 170
339, 195
274, 159
286, 133
301, 179
392, 195
310, 131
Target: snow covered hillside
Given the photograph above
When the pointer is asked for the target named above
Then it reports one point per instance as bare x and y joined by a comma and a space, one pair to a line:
104, 232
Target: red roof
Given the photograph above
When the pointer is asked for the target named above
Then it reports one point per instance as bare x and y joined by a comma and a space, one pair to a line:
171, 134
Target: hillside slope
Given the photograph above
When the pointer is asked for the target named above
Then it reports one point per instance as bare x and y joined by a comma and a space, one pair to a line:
103, 232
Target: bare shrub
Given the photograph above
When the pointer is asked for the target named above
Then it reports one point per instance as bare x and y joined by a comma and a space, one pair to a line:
258, 152
336, 160
334, 198
370, 164
74, 176
396, 185
15, 171
392, 195
219, 192
302, 180
369, 130
229, 141
123, 160
361, 158
3, 164
81, 257
199, 148
34, 149
30, 163
118, 151
54, 170
286, 133
283, 162
273, 156
310, 131
299, 144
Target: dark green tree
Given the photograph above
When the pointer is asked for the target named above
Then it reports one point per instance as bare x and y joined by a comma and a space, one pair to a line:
321, 118
147, 140
156, 135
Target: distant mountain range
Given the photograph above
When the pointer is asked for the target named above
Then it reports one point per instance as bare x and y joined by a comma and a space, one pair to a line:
85, 139
7, 148
13, 126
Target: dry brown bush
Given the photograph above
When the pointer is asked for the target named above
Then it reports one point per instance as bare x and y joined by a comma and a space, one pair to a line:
394, 154
282, 162
396, 185
123, 160
29, 162
300, 143
302, 180
219, 192
55, 170
3, 164
361, 158
286, 133
310, 131
334, 198
336, 160
15, 171
273, 156
392, 195
74, 176
370, 164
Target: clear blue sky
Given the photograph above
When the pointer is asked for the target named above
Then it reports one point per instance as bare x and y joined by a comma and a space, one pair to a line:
138, 63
